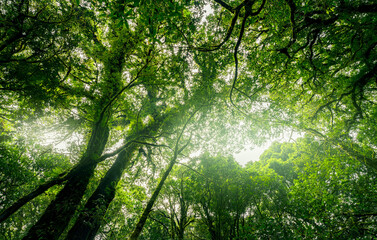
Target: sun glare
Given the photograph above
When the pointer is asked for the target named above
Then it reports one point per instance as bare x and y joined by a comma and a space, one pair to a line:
253, 155
56, 141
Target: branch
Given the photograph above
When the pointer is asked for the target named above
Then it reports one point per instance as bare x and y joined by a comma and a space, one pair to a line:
140, 225
224, 5
11, 121
362, 8
292, 8
228, 34
158, 221
194, 170
236, 64
248, 14
38, 191
111, 154
152, 144
129, 85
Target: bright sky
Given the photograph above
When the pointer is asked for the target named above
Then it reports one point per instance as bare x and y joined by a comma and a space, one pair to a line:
253, 154
242, 157
250, 155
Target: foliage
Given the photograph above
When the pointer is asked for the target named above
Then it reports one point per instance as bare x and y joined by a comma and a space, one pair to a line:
98, 98
329, 196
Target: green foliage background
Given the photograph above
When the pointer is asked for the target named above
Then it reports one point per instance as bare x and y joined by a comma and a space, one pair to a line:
104, 104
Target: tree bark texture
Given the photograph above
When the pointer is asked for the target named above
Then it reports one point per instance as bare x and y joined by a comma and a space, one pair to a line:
60, 211
90, 219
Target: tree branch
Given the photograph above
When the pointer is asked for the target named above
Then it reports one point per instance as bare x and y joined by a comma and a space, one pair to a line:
224, 5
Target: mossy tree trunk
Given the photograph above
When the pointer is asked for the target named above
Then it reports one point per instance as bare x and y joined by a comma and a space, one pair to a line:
60, 211
90, 219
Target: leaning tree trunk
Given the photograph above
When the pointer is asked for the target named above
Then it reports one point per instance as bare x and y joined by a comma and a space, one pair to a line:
35, 193
91, 216
58, 214
60, 211
89, 220
140, 225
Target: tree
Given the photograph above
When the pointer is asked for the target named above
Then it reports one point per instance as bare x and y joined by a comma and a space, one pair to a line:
220, 191
123, 76
178, 195
311, 71
99, 68
326, 197
323, 200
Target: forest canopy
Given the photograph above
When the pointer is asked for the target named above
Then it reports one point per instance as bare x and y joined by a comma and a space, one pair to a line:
118, 119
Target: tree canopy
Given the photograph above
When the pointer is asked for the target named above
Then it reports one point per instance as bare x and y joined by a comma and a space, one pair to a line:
118, 119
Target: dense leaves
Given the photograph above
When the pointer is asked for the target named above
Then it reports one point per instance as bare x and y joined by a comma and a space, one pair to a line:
103, 105
308, 190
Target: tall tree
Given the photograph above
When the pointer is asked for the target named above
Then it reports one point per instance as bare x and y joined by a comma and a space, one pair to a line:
121, 75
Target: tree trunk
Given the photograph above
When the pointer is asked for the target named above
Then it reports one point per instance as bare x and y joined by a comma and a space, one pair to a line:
140, 225
60, 211
90, 219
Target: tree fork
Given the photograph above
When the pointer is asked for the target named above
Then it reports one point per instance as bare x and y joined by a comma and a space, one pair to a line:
60, 211
90, 218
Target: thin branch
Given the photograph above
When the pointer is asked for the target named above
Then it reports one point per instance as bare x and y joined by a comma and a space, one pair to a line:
227, 36
111, 154
140, 225
38, 191
162, 224
129, 85
193, 170
152, 144
11, 121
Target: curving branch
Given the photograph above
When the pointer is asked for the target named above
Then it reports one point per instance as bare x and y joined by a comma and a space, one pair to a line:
227, 36
248, 14
236, 11
236, 63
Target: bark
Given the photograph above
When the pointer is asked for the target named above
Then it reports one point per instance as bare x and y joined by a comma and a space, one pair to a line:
183, 221
152, 200
22, 201
60, 211
90, 219
183, 217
